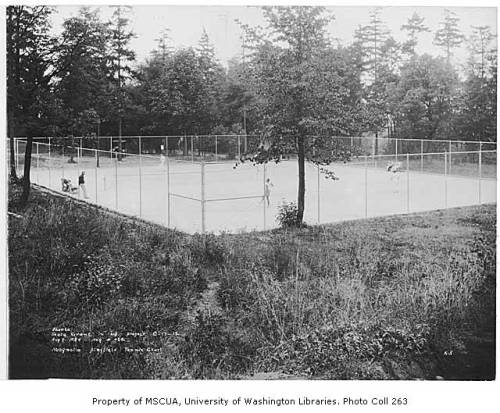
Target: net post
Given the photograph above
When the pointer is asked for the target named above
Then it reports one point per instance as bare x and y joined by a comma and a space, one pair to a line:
140, 145
480, 169
396, 149
166, 146
245, 142
421, 155
318, 182
445, 180
366, 186
239, 147
408, 182
202, 196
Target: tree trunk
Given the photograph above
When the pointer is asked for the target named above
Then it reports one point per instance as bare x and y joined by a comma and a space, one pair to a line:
302, 181
27, 168
13, 173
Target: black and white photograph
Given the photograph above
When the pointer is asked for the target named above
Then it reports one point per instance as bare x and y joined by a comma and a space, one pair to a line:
248, 192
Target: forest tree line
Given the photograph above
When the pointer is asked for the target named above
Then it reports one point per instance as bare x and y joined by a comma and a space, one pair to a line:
89, 75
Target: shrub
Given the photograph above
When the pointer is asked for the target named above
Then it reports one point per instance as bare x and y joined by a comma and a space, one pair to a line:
288, 215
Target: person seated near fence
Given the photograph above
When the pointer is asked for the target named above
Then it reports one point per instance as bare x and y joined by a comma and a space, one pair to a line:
394, 166
67, 186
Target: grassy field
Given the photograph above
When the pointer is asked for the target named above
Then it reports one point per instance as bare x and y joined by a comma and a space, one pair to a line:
404, 297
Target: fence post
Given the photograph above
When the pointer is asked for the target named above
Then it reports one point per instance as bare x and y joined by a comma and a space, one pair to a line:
116, 183
366, 186
95, 169
16, 153
449, 160
421, 155
192, 149
37, 164
168, 193
63, 160
78, 150
445, 180
216, 157
264, 196
50, 163
480, 168
407, 182
140, 186
319, 216
202, 196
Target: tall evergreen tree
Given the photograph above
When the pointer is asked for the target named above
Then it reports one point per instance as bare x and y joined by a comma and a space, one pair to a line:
370, 39
480, 48
414, 26
30, 50
449, 36
84, 87
121, 56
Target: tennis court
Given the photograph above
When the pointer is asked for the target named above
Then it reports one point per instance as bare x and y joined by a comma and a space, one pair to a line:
223, 196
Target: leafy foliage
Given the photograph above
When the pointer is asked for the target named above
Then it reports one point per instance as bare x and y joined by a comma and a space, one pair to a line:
288, 215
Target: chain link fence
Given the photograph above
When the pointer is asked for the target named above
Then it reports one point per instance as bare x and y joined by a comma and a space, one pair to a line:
206, 189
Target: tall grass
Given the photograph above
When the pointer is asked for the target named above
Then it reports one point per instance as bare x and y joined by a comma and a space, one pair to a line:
428, 281
80, 268
382, 298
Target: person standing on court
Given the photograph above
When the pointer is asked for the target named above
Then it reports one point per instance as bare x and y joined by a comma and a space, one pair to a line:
267, 191
81, 184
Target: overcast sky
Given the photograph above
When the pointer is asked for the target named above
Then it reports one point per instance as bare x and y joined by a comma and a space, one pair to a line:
187, 22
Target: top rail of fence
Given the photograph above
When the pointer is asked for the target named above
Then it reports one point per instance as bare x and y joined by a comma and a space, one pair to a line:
370, 138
